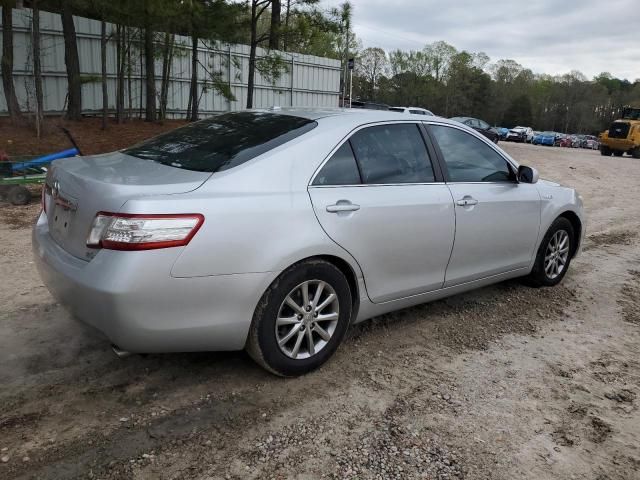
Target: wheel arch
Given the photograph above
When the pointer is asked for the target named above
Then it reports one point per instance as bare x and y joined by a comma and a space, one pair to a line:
347, 270
576, 223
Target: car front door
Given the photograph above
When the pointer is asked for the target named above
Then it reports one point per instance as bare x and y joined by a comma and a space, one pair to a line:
379, 197
497, 218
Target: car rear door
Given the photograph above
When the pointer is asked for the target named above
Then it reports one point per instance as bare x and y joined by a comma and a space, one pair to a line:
379, 197
497, 218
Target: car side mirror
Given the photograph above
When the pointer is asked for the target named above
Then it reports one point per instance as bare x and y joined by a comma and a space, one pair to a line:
527, 174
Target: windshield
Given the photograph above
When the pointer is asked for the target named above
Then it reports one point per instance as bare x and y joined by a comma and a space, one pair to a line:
631, 114
222, 142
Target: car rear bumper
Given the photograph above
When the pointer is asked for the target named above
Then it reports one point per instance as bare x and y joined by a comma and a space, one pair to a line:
134, 301
515, 138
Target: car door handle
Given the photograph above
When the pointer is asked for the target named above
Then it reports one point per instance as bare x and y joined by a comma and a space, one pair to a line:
467, 202
343, 206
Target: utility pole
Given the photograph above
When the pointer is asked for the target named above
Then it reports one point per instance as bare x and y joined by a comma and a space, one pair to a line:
351, 64
346, 61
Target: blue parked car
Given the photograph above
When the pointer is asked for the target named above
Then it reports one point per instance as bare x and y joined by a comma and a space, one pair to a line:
544, 138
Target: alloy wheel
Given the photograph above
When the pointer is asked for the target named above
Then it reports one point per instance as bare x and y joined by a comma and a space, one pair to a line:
307, 319
557, 254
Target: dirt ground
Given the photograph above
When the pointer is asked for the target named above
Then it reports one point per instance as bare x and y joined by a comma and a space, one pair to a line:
20, 140
506, 382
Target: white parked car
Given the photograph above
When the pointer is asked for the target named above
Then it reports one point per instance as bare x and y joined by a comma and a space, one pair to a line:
413, 110
520, 134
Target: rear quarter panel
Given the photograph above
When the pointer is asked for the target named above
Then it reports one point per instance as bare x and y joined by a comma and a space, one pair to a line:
258, 216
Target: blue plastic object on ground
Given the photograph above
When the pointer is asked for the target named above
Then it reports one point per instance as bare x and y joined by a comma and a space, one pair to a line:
37, 162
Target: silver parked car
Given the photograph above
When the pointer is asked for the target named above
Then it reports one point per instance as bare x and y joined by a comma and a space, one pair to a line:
275, 230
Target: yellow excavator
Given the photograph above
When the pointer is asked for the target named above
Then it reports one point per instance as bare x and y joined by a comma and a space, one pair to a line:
623, 135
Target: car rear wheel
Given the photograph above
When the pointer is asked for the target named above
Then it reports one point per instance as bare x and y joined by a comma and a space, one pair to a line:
301, 319
636, 153
554, 255
605, 151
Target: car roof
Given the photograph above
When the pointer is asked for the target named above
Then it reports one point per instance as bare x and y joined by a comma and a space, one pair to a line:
350, 115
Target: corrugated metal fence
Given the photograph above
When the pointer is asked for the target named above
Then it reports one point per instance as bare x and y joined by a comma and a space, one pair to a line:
306, 81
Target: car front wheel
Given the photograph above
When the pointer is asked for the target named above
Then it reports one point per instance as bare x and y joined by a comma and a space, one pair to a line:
554, 255
301, 319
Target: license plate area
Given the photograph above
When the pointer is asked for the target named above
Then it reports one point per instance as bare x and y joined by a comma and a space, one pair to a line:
60, 221
61, 217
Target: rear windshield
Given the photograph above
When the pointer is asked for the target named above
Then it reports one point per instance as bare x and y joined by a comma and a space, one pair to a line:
222, 142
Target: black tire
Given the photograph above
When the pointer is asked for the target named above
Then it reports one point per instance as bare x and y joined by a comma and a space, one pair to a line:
618, 153
262, 344
538, 276
605, 151
636, 153
19, 195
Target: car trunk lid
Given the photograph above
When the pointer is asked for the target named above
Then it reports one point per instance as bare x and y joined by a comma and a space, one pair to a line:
78, 188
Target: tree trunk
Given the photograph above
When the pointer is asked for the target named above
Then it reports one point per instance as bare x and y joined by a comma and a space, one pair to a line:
103, 59
167, 58
286, 26
140, 110
37, 69
120, 64
274, 34
72, 62
193, 91
129, 68
150, 114
7, 64
252, 54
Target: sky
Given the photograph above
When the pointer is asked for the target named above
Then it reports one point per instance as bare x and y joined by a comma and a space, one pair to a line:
547, 36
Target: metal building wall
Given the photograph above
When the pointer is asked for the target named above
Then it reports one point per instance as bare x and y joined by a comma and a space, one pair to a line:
308, 81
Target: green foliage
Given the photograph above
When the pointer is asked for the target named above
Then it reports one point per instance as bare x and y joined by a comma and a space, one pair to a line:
504, 93
272, 66
85, 79
518, 113
219, 85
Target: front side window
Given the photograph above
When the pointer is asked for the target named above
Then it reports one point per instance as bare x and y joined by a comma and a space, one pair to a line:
340, 169
468, 158
222, 142
394, 153
483, 125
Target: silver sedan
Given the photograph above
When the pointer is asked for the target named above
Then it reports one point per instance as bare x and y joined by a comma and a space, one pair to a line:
275, 230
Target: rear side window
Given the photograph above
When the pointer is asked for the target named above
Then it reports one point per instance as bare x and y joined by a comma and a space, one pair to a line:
393, 153
469, 159
222, 142
340, 169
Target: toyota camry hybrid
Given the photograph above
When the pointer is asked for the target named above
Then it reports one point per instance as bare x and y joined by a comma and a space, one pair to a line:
274, 230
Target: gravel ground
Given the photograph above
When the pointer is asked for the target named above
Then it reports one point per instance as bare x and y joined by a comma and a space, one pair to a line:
505, 382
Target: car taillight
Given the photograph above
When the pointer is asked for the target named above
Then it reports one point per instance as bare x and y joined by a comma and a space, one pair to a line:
122, 231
